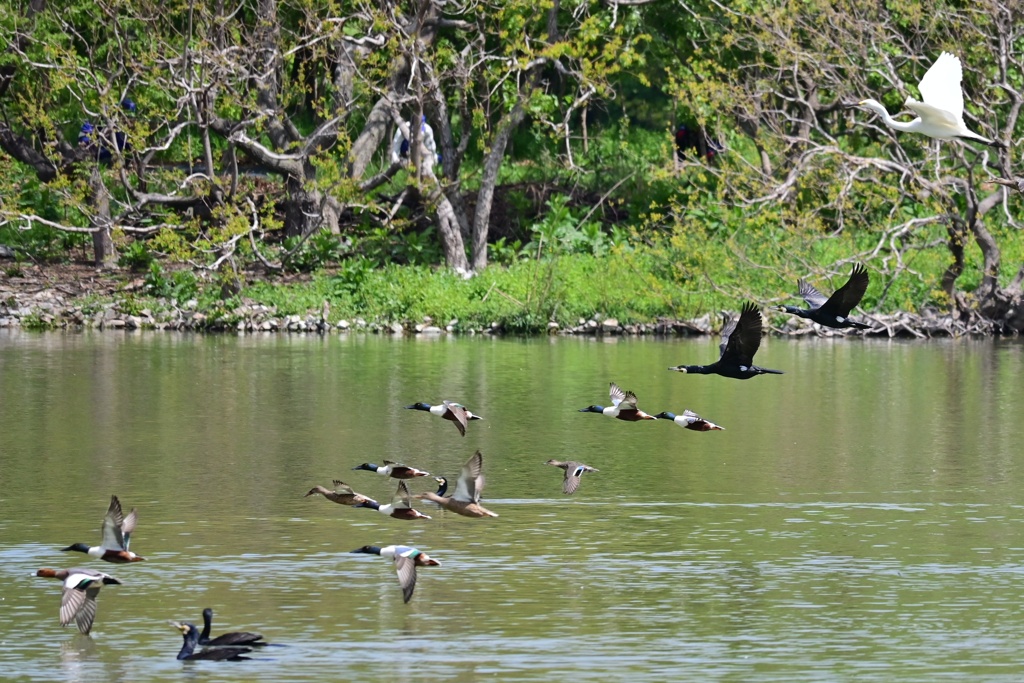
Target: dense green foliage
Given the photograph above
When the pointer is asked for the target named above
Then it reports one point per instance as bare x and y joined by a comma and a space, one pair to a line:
235, 169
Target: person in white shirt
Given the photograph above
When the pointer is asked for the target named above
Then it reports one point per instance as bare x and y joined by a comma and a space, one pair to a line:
400, 146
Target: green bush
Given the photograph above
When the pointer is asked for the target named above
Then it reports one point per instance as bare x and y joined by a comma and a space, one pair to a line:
136, 256
179, 285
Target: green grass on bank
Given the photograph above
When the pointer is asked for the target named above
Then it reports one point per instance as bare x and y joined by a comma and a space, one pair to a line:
682, 275
681, 279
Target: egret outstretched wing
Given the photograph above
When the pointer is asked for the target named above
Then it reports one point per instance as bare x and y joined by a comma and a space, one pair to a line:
940, 87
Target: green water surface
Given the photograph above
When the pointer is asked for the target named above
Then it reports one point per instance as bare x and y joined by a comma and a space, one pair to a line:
859, 519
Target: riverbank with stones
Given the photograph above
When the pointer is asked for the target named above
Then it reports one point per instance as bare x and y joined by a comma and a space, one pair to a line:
49, 308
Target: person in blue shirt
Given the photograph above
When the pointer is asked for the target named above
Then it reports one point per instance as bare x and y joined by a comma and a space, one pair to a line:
91, 139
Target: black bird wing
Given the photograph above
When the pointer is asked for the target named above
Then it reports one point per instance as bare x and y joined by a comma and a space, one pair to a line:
849, 295
219, 654
728, 327
809, 294
236, 638
745, 339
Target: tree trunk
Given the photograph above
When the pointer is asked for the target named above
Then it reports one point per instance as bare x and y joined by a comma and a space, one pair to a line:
306, 211
489, 180
370, 138
956, 250
102, 244
451, 237
989, 247
448, 230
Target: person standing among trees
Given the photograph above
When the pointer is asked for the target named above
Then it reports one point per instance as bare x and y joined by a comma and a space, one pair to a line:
695, 138
400, 146
91, 139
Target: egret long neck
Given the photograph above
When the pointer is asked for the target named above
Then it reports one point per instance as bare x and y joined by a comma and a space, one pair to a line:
904, 126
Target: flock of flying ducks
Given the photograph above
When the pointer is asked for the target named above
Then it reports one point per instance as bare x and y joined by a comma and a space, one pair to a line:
740, 341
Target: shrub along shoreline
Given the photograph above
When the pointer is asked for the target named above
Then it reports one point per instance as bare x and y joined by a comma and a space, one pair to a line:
619, 294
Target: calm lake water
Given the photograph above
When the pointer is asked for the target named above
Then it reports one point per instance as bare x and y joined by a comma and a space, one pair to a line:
860, 518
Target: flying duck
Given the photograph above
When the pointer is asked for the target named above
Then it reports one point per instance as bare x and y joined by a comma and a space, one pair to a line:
392, 469
342, 493
78, 599
449, 410
623, 406
406, 560
117, 530
400, 507
690, 420
573, 471
466, 500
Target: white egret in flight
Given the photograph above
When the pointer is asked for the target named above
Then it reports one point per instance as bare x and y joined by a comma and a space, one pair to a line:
941, 114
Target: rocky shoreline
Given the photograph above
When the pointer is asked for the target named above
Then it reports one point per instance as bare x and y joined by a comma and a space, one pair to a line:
44, 306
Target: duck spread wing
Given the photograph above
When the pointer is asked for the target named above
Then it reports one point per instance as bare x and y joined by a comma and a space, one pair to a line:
86, 614
406, 568
342, 487
471, 481
71, 602
571, 482
113, 521
629, 402
402, 499
129, 526
458, 412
